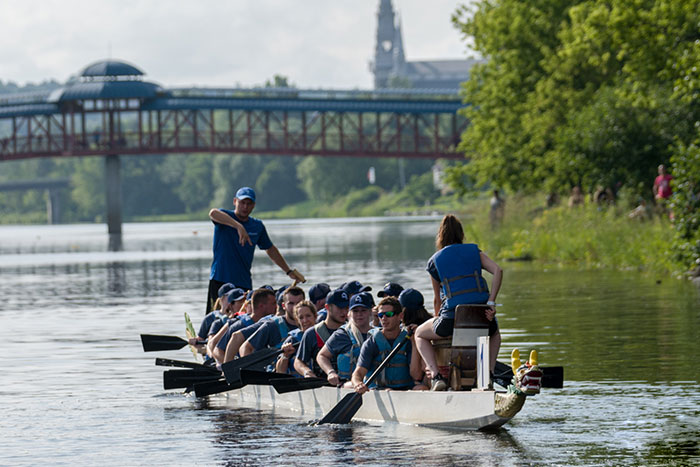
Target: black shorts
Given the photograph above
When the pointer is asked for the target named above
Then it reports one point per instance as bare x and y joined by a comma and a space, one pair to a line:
444, 327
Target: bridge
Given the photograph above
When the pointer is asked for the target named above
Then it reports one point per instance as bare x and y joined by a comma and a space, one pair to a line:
110, 110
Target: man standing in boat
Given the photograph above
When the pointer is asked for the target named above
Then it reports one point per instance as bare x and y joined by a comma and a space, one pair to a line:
404, 371
313, 339
236, 234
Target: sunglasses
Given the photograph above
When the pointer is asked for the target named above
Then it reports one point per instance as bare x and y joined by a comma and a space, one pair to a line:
388, 314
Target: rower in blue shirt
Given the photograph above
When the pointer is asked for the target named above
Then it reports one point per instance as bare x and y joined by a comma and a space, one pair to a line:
338, 356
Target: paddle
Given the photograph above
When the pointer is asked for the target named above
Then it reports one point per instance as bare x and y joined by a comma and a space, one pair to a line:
261, 357
552, 377
154, 343
283, 385
261, 377
183, 364
174, 379
214, 387
190, 332
351, 403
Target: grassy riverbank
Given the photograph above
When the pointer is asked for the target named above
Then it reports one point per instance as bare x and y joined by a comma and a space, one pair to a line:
588, 236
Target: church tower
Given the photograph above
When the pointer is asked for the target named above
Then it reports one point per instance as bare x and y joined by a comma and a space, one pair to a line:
383, 63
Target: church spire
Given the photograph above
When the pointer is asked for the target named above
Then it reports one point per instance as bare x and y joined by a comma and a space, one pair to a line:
384, 49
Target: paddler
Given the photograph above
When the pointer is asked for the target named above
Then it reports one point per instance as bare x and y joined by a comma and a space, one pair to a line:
404, 369
262, 305
235, 299
313, 339
455, 271
236, 234
338, 356
305, 314
275, 330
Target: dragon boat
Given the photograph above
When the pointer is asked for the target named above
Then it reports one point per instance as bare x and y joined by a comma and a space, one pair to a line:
471, 402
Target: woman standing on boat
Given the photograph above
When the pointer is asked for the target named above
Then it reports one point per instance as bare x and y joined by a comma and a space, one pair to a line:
455, 271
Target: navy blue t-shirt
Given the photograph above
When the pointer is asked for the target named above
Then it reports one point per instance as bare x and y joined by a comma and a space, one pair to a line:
232, 262
207, 322
370, 350
268, 335
217, 325
309, 347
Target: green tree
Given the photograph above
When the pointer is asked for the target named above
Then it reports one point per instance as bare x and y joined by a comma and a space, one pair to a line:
278, 184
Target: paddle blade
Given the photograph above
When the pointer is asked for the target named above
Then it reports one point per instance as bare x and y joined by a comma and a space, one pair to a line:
175, 379
344, 410
297, 384
183, 364
258, 359
249, 376
214, 387
553, 377
155, 343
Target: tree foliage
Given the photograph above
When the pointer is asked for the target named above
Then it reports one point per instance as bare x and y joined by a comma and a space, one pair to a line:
578, 92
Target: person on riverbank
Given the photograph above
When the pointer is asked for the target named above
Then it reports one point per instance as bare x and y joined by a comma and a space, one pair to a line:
405, 367
274, 331
313, 339
455, 272
497, 209
305, 313
338, 356
576, 199
236, 234
662, 189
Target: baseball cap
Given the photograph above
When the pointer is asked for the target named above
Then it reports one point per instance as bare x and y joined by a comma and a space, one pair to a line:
361, 299
318, 291
338, 297
411, 299
235, 295
246, 192
354, 287
391, 289
225, 288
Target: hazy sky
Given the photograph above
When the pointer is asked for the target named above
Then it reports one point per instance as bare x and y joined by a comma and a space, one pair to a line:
316, 43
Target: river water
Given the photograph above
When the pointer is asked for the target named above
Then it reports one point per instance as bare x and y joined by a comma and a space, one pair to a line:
77, 389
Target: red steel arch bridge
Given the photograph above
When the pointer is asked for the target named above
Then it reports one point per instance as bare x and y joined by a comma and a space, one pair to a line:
110, 110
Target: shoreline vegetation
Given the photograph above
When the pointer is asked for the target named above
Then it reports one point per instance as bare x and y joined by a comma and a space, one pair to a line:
588, 236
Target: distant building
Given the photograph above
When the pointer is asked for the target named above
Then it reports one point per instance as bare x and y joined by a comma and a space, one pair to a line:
391, 69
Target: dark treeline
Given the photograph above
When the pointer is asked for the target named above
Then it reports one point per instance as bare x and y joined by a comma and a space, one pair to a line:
158, 185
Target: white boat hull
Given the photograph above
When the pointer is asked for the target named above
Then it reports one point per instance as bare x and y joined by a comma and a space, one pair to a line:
471, 410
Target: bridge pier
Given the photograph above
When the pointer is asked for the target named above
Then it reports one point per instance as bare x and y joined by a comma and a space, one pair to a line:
113, 186
53, 207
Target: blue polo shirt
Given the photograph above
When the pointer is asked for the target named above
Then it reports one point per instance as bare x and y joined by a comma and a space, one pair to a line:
232, 262
268, 335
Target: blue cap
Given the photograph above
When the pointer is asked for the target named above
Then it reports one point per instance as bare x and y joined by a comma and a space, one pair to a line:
361, 299
318, 291
279, 294
235, 295
225, 288
354, 287
339, 298
268, 287
411, 299
391, 289
249, 295
246, 192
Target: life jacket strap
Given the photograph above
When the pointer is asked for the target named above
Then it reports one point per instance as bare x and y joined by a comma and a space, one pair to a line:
449, 293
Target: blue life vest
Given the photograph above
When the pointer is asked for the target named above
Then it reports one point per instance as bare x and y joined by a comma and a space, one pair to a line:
397, 374
348, 361
284, 329
459, 268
